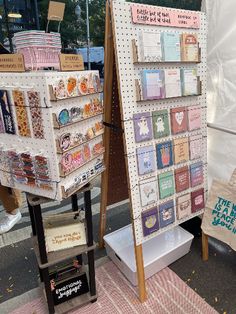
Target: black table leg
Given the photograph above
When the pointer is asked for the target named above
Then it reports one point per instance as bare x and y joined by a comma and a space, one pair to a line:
75, 208
88, 217
40, 233
32, 218
46, 280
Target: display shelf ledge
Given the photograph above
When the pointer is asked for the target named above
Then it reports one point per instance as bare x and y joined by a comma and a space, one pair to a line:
62, 255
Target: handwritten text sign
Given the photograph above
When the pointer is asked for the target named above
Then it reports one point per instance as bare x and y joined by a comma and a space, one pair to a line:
12, 63
164, 17
71, 62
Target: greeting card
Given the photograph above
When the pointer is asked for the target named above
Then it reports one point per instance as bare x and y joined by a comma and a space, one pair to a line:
71, 86
181, 179
6, 113
181, 150
195, 146
189, 48
197, 200
150, 221
145, 159
171, 47
160, 122
164, 155
148, 191
189, 82
196, 174
194, 118
172, 83
152, 84
150, 46
142, 126
183, 206
178, 120
166, 214
166, 184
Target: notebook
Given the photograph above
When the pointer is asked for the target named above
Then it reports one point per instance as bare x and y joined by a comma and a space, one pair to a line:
189, 48
142, 127
178, 118
166, 184
152, 84
171, 47
172, 83
150, 46
160, 123
164, 155
166, 214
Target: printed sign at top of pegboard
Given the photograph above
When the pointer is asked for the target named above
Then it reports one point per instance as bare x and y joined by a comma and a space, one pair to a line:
162, 83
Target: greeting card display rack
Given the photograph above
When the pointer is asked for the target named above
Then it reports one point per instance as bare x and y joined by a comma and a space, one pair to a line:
124, 22
48, 260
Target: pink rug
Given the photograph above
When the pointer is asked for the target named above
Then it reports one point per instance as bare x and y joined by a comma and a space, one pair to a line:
167, 294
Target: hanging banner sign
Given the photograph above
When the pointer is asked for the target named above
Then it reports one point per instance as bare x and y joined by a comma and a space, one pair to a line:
165, 17
12, 63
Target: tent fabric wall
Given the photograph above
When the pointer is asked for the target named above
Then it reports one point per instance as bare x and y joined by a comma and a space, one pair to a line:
221, 95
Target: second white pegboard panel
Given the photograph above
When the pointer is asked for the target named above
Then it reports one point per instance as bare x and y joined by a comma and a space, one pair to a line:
124, 32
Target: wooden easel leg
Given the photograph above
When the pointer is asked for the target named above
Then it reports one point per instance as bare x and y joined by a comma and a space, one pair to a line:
205, 252
140, 273
108, 78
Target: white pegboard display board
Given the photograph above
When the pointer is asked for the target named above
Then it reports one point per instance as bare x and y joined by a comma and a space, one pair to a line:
47, 146
125, 33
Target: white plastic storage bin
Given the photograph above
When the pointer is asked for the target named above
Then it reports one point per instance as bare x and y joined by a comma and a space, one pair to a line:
158, 252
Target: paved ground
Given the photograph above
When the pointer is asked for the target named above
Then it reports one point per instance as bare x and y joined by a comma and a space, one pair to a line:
215, 280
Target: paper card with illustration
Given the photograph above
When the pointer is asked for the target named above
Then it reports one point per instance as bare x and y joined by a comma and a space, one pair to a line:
6, 115
150, 221
189, 48
197, 200
148, 191
195, 146
183, 206
194, 118
59, 89
142, 127
189, 82
146, 160
172, 83
171, 47
164, 155
160, 122
181, 179
166, 214
178, 118
196, 174
152, 84
150, 46
166, 184
71, 86
181, 150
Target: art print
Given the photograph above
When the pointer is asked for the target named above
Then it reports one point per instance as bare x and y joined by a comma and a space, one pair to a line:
71, 86
142, 127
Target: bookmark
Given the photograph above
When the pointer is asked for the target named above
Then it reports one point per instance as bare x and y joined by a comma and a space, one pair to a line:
21, 113
36, 114
6, 113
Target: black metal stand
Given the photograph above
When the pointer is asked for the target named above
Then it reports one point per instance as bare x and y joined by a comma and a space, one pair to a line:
34, 205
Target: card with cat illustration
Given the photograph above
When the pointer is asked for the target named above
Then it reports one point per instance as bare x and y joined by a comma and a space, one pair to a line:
150, 221
166, 214
183, 206
166, 184
160, 122
178, 120
146, 160
148, 191
142, 127
164, 155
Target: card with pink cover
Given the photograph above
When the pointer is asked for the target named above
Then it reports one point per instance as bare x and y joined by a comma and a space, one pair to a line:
194, 118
